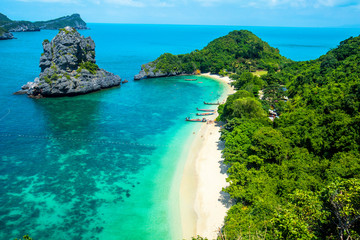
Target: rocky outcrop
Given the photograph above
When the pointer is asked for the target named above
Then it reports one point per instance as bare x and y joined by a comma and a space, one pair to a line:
5, 35
150, 70
68, 68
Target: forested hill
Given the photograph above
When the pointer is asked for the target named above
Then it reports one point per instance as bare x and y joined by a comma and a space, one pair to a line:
237, 51
297, 177
73, 20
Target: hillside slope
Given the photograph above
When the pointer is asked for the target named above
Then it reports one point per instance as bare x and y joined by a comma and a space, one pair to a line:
297, 177
237, 51
73, 20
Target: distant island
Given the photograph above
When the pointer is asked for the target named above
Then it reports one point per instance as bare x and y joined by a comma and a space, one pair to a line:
237, 51
7, 25
68, 68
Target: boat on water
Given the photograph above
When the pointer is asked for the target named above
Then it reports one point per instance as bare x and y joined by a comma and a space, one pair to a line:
195, 120
190, 79
209, 103
205, 110
205, 114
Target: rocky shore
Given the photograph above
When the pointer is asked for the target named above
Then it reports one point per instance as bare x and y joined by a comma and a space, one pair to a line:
5, 35
68, 68
150, 70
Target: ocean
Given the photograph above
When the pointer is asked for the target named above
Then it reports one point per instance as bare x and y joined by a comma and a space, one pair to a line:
103, 165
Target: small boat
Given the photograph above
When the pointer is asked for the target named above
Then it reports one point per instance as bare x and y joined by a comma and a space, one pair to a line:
190, 79
208, 103
205, 110
205, 114
195, 120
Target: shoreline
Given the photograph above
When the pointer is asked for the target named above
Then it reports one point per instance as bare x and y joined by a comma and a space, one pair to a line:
203, 206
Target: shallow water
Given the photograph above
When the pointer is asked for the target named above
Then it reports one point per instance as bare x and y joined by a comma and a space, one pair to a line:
100, 166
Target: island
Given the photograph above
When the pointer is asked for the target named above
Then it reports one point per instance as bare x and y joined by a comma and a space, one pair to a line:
238, 51
68, 68
73, 20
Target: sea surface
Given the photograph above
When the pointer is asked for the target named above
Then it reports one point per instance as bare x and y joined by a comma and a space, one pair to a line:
103, 165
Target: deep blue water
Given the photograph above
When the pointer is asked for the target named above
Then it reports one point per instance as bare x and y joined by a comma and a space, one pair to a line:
100, 166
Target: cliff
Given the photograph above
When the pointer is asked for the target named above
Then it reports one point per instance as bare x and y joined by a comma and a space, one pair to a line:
237, 51
74, 21
68, 68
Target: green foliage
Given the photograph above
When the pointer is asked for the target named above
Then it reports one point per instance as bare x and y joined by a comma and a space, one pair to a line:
26, 237
342, 199
237, 51
47, 80
72, 21
296, 177
91, 67
4, 19
67, 31
2, 31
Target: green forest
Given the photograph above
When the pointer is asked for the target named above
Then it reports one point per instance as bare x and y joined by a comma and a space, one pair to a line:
236, 52
297, 177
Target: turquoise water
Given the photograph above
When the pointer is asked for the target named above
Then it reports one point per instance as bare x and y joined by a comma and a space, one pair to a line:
100, 166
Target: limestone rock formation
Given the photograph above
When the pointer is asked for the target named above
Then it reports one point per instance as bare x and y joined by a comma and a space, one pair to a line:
150, 70
5, 35
68, 68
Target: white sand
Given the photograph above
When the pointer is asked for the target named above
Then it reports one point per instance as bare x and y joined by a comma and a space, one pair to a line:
203, 205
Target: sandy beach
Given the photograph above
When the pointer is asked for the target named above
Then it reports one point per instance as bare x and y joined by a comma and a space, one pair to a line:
203, 205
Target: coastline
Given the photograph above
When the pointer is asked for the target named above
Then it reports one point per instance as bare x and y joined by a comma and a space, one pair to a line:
203, 205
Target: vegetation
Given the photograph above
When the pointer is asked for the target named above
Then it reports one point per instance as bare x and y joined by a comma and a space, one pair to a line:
26, 237
2, 31
67, 31
91, 67
73, 21
297, 177
236, 52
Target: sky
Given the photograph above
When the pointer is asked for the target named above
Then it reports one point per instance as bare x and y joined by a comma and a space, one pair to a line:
285, 13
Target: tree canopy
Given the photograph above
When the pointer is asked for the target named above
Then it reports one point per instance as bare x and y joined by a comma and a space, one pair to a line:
298, 176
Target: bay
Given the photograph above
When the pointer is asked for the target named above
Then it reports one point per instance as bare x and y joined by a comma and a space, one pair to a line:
102, 165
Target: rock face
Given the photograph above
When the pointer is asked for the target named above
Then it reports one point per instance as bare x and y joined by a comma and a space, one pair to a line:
68, 68
150, 70
5, 35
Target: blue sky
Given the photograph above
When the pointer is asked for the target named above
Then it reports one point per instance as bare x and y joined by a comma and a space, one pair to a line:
291, 13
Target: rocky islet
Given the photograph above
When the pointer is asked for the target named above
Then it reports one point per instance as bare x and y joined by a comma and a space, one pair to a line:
68, 68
